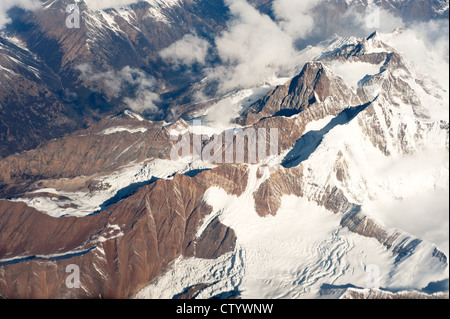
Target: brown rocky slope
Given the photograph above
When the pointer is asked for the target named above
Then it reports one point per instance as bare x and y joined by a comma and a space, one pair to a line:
117, 251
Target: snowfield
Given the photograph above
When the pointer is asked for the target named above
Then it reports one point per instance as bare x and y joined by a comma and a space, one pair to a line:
87, 203
293, 255
303, 251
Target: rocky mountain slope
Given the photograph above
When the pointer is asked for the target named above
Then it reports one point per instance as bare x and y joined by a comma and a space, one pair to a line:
29, 98
118, 251
56, 80
310, 221
45, 93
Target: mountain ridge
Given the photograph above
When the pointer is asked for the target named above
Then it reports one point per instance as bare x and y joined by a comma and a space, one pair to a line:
230, 217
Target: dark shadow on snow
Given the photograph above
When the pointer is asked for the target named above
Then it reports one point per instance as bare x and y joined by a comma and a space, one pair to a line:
233, 294
195, 172
334, 287
55, 258
131, 189
309, 142
122, 194
437, 286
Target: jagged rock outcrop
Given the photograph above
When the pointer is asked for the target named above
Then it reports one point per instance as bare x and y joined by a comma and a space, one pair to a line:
43, 94
138, 235
282, 182
100, 149
232, 178
312, 86
191, 292
379, 294
117, 251
55, 100
215, 241
31, 109
401, 244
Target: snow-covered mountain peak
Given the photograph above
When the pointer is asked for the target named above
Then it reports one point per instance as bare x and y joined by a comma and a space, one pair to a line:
122, 4
360, 178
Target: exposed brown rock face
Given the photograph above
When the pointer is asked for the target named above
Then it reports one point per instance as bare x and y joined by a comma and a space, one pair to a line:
29, 99
42, 96
118, 251
85, 153
191, 292
47, 240
283, 182
215, 241
121, 249
313, 85
232, 178
400, 243
59, 101
292, 182
358, 223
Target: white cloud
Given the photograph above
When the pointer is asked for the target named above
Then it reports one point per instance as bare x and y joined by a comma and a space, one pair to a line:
6, 5
421, 201
425, 215
295, 17
252, 49
145, 97
189, 50
367, 22
221, 113
353, 72
427, 45
114, 83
